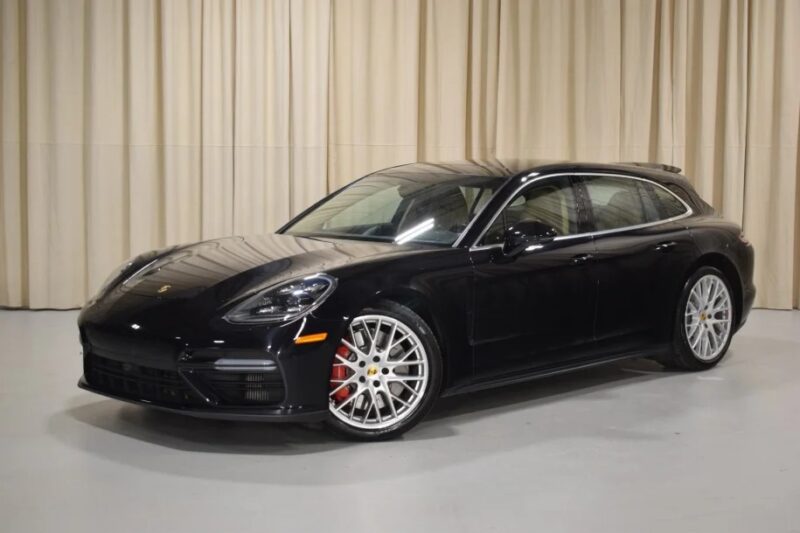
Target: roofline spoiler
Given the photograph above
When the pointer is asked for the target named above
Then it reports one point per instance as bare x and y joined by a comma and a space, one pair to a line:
654, 166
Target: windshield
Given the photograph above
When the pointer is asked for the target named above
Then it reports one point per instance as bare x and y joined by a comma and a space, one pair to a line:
400, 208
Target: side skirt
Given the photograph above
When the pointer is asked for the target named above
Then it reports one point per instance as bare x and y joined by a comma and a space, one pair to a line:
551, 371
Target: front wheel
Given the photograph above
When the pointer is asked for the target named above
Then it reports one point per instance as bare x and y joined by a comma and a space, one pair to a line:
386, 374
704, 321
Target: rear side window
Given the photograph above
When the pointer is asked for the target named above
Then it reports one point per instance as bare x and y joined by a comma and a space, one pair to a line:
618, 202
669, 205
680, 192
666, 204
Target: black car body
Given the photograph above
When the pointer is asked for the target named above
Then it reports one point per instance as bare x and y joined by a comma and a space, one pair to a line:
157, 333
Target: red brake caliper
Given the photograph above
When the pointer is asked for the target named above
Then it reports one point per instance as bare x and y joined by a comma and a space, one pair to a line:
339, 372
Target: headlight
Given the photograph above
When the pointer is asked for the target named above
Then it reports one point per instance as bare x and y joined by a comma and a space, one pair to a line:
284, 302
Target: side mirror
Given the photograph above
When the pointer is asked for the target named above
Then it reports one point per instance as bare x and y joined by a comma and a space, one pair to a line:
526, 233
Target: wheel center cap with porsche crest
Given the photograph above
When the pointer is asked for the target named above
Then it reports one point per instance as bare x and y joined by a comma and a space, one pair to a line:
371, 371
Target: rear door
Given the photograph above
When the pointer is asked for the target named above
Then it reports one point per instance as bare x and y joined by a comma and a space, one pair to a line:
642, 250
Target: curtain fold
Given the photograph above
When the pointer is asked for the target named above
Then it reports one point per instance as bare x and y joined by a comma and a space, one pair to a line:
261, 127
374, 87
130, 125
772, 172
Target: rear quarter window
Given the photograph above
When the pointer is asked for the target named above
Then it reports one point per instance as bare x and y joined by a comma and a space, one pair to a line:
667, 203
681, 193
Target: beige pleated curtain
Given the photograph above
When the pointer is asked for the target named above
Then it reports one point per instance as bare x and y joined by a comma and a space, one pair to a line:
129, 125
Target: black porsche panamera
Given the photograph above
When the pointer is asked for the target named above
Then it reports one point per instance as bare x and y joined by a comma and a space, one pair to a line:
419, 281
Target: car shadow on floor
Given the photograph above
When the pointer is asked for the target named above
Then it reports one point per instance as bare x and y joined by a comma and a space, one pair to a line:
459, 430
545, 390
628, 403
219, 436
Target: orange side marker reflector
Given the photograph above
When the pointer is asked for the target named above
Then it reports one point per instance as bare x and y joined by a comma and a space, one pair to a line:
308, 339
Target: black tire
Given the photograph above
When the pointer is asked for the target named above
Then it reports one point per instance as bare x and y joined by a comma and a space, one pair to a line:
683, 357
431, 391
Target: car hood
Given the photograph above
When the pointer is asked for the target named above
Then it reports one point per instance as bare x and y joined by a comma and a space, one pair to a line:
237, 265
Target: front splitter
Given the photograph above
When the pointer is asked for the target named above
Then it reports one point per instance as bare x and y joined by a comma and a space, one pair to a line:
279, 414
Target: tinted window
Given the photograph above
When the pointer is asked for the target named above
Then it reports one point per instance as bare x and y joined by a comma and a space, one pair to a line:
668, 205
680, 192
398, 207
477, 198
617, 202
375, 208
552, 203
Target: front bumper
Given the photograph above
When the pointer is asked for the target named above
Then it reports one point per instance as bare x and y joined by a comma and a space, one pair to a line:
273, 414
212, 369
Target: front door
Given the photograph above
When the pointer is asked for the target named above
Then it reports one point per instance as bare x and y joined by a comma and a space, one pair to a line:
537, 309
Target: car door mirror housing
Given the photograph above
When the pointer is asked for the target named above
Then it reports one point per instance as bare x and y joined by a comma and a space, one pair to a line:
525, 234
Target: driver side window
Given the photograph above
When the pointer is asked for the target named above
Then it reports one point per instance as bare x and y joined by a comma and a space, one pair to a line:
551, 202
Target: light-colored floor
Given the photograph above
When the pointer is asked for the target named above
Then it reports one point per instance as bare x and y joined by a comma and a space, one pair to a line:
626, 447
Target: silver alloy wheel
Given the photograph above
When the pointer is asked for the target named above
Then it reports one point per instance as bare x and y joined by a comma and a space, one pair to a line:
379, 373
708, 316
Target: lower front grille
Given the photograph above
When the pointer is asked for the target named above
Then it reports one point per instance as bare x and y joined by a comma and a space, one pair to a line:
244, 388
169, 388
137, 382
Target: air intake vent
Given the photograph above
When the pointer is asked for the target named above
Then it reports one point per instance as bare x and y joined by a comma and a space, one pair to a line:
164, 387
244, 388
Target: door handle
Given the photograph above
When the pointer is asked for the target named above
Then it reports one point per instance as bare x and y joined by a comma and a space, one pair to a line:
581, 259
666, 246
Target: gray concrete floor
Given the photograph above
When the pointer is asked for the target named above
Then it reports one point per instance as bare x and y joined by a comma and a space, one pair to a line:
626, 447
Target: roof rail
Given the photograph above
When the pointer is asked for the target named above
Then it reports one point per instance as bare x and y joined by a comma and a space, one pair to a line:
654, 166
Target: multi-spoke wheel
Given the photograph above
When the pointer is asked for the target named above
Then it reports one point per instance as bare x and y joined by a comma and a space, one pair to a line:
708, 317
385, 373
705, 321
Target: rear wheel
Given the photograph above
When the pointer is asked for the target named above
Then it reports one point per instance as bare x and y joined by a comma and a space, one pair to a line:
386, 374
704, 321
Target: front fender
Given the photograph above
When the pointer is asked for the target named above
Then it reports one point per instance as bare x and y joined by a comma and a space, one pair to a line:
437, 286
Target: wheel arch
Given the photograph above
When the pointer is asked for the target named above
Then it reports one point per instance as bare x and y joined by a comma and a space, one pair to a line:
419, 303
727, 267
